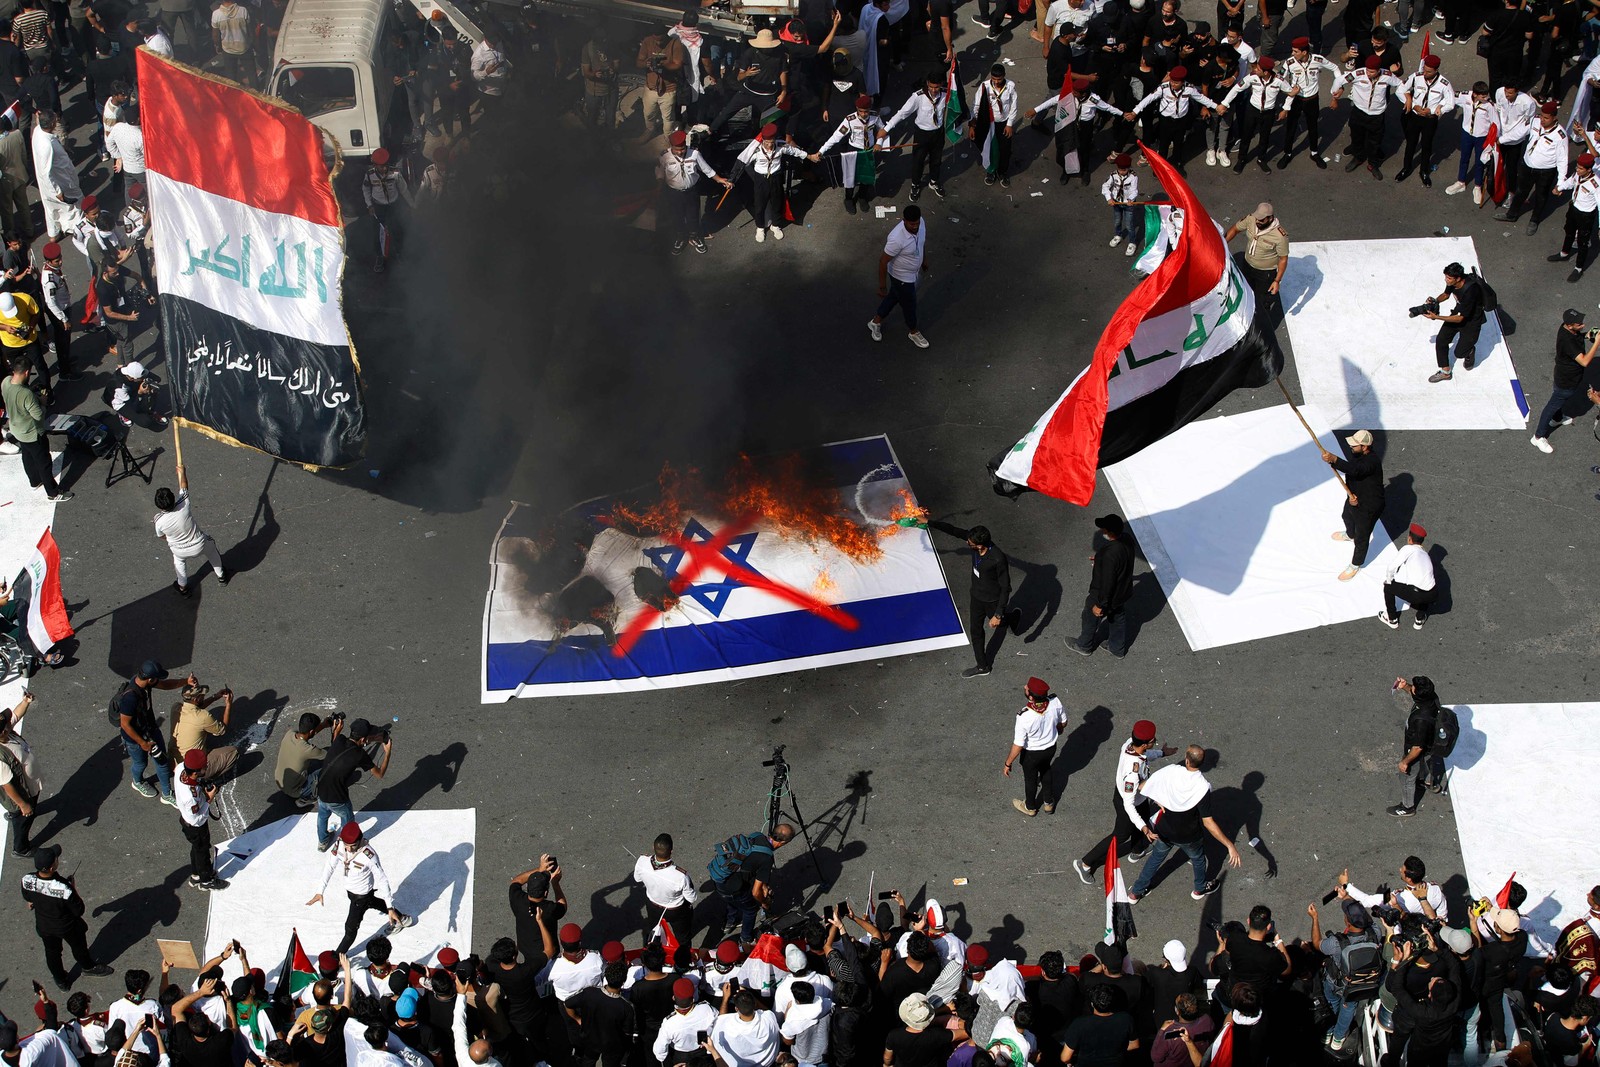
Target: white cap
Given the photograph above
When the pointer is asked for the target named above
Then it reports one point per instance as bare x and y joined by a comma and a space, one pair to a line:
1176, 955
8, 305
794, 958
133, 370
934, 914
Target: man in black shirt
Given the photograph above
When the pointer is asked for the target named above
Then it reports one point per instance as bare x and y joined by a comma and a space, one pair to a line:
1571, 359
347, 758
1363, 480
121, 301
1110, 973
1432, 1016
1104, 1036
141, 736
1421, 725
1110, 586
58, 916
324, 1045
1566, 1036
605, 1019
1461, 326
1255, 954
912, 974
534, 894
196, 1042
1053, 996
991, 593
918, 1043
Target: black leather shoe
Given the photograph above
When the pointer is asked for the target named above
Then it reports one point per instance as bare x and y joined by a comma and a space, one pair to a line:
1283, 163
1320, 161
1405, 172
1427, 179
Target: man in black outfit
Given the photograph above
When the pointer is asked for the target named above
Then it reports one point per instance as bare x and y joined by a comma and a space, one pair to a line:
1363, 479
1432, 1016
1110, 586
58, 916
1461, 325
605, 1019
1256, 955
991, 593
1421, 726
196, 1041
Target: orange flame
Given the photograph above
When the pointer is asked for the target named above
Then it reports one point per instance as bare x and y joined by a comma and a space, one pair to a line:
824, 583
906, 509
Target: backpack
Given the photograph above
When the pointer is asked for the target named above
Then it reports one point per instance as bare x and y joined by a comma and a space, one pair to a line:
1446, 729
113, 712
1360, 969
728, 856
1491, 299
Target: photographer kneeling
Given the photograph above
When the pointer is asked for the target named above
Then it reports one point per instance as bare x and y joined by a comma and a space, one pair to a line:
1460, 326
195, 793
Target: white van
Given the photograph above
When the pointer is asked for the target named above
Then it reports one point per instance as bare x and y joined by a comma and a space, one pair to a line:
330, 65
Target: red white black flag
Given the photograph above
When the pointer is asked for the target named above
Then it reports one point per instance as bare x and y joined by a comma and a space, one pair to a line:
37, 594
1181, 341
248, 234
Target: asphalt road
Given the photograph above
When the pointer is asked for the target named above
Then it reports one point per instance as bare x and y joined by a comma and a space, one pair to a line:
536, 354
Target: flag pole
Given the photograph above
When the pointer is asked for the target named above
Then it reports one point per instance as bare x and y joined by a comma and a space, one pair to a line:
1309, 430
177, 442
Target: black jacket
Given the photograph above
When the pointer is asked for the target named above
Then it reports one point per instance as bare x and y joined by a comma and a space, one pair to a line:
991, 572
57, 907
1111, 584
1363, 473
1433, 1023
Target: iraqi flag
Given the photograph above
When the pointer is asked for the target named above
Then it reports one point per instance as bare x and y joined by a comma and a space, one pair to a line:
37, 594
1182, 340
297, 972
764, 968
248, 232
1494, 165
1119, 908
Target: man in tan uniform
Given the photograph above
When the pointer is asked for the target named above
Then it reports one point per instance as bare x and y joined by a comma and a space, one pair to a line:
1266, 256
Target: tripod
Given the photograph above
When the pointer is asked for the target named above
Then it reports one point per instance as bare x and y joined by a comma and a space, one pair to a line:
780, 792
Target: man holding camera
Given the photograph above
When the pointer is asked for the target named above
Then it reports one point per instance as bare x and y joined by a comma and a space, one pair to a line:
195, 793
1353, 958
121, 298
141, 736
1461, 326
300, 762
347, 758
365, 884
1572, 359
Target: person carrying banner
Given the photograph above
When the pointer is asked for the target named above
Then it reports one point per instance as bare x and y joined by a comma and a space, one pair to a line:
185, 540
1363, 478
25, 417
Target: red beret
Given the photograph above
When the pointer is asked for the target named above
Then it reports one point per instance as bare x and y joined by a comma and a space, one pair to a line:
1372, 63
1123, 160
1037, 687
327, 960
350, 833
1431, 62
572, 934
52, 251
728, 952
1550, 108
684, 989
381, 156
863, 100
611, 951
1144, 731
977, 957
1302, 43
678, 139
136, 191
89, 203
1267, 63
1586, 160
1179, 73
1419, 531
449, 957
194, 759
769, 131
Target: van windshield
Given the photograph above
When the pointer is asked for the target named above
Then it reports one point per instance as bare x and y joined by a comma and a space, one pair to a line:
318, 90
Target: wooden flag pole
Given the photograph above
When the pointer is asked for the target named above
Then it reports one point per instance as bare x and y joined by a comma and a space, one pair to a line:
725, 193
1309, 430
177, 442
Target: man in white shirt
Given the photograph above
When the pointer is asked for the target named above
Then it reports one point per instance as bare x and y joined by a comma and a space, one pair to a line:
1418, 897
1303, 71
679, 169
1174, 100
668, 887
185, 540
805, 1026
925, 107
1371, 88
1130, 831
862, 133
1516, 113
799, 966
1033, 741
1584, 185
230, 38
365, 883
1184, 797
1478, 115
1410, 579
133, 1006
194, 796
748, 1036
899, 267
57, 176
491, 70
1544, 163
576, 968
994, 115
1264, 88
762, 159
679, 1033
44, 1049
1427, 95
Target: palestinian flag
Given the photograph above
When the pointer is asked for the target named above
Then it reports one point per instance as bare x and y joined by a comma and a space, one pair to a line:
1493, 165
1155, 239
251, 241
1182, 340
1119, 908
37, 594
954, 106
1220, 1054
297, 972
988, 129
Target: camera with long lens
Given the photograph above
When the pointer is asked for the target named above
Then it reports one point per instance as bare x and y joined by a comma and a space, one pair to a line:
1428, 305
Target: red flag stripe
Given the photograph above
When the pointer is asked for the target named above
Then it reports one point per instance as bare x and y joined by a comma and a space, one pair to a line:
261, 154
47, 600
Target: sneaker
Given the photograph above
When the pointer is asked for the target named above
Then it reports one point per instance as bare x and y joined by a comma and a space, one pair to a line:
1340, 535
1321, 161
677, 247
1022, 807
1005, 183
917, 339
1542, 445
976, 21
761, 234
698, 245
1085, 875
989, 179
1377, 171
875, 329
62, 984
1222, 158
1400, 811
211, 884
1138, 857
1116, 239
143, 789
1351, 164
9, 448
1211, 157
169, 800
406, 921
62, 497
1335, 1043
1388, 620
1349, 573
1079, 649
1455, 188
938, 190
1564, 420
1133, 898
224, 577
916, 191
99, 970
975, 672
1420, 621
1440, 376
1130, 250
1206, 890
183, 590
777, 233
1468, 363
1283, 162
324, 846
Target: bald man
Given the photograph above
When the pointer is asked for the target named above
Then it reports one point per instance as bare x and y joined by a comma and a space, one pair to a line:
477, 1050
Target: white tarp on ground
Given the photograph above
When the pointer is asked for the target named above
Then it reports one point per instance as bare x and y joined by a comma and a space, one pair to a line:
1519, 808
1235, 516
1364, 363
275, 869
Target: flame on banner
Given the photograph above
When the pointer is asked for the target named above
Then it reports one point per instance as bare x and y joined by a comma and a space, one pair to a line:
906, 509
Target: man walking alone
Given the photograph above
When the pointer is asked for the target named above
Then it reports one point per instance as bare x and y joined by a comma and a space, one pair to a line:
175, 524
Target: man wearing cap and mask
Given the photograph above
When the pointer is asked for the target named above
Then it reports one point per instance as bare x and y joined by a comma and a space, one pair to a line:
1572, 360
1410, 579
1353, 949
1461, 325
58, 306
863, 132
347, 758
58, 916
763, 159
1584, 185
1426, 96
1544, 165
679, 168
1364, 497
1110, 587
382, 190
677, 1041
1371, 89
1303, 71
195, 794
20, 783
1033, 741
1130, 831
141, 736
364, 882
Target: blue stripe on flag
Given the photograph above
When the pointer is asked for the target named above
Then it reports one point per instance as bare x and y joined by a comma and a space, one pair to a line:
737, 643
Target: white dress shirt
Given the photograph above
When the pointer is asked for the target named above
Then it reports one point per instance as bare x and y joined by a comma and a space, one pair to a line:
1305, 79
766, 161
360, 868
1408, 901
1002, 105
682, 172
1436, 97
926, 111
1038, 730
1477, 116
1132, 770
905, 251
860, 133
1120, 187
566, 976
46, 1049
741, 1042
1547, 150
1370, 93
678, 1031
1515, 116
1583, 190
1173, 105
665, 886
1413, 567
1264, 91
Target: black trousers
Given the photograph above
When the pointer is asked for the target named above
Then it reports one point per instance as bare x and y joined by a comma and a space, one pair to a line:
199, 850
680, 209
1302, 110
1511, 160
1465, 336
1419, 131
36, 465
743, 97
680, 920
1252, 123
1170, 135
764, 198
1366, 136
927, 151
1579, 233
1358, 526
360, 904
979, 612
1535, 184
1002, 150
1036, 777
22, 825
1129, 838
75, 938
61, 337
1417, 598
